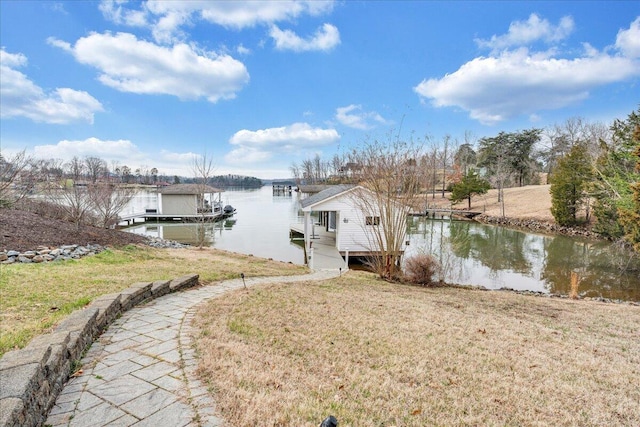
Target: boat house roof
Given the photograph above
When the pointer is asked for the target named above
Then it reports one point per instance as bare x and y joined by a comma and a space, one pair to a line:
326, 194
189, 189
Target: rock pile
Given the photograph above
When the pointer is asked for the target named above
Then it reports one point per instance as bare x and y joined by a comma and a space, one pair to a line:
46, 254
66, 252
156, 242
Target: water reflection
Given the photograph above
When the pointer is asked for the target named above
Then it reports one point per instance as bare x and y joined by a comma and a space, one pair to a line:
471, 253
260, 226
496, 257
604, 269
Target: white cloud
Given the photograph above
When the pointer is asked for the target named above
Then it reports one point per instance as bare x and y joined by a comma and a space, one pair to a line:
353, 116
243, 50
115, 11
517, 82
241, 14
628, 41
120, 150
522, 33
247, 155
12, 60
131, 65
261, 145
58, 7
20, 97
167, 17
325, 38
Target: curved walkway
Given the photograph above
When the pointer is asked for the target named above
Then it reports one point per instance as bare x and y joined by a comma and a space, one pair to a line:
142, 370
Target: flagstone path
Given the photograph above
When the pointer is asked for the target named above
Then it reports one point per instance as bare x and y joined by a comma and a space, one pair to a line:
142, 370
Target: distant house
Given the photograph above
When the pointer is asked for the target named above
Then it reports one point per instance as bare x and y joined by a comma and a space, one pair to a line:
343, 215
349, 169
189, 200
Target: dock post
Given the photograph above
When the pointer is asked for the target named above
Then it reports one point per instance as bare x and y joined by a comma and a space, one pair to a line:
346, 259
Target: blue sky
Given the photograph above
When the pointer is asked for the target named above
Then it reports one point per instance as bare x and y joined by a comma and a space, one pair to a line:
257, 85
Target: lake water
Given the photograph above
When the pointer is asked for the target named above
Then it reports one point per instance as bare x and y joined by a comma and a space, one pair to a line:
260, 226
472, 253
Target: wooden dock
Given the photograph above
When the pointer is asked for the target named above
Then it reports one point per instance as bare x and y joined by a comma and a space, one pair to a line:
325, 254
283, 187
130, 219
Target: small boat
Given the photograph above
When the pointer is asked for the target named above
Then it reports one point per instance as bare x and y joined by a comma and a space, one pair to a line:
228, 210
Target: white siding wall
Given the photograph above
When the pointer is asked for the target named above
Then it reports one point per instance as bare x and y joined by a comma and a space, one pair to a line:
353, 235
179, 204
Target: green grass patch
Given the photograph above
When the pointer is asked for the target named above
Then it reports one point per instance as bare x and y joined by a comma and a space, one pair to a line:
34, 297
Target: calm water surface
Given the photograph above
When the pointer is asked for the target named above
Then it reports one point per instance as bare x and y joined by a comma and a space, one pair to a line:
471, 253
260, 226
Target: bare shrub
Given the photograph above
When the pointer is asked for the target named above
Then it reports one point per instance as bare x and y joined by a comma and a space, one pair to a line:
422, 269
42, 208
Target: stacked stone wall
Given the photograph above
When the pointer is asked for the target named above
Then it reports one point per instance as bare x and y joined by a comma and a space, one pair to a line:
537, 226
31, 378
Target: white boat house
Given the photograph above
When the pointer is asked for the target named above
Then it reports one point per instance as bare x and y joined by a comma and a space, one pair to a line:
345, 222
189, 201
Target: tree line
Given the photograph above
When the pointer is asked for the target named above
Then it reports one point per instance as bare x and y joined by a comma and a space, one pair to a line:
228, 181
84, 190
592, 168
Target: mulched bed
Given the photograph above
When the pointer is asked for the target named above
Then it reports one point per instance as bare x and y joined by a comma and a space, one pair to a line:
23, 231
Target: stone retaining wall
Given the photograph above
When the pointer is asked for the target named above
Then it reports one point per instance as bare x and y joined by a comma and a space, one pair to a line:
67, 252
537, 226
47, 254
32, 378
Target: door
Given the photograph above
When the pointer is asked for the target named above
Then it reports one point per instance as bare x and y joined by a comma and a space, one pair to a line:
332, 221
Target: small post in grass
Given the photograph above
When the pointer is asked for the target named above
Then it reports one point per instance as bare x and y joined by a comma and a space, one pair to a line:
243, 282
330, 421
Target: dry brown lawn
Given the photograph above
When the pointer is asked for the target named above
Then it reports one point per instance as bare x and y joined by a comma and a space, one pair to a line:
379, 354
528, 202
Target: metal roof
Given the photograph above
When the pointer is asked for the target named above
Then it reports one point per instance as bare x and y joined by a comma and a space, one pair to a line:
189, 189
326, 194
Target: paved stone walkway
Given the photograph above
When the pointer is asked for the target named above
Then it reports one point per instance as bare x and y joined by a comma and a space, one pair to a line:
141, 371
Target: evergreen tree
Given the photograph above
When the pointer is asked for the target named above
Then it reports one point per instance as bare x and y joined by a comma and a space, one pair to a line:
569, 185
471, 184
617, 180
630, 217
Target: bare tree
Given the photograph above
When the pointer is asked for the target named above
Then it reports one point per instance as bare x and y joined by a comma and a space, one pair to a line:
561, 138
154, 175
51, 169
391, 183
465, 156
75, 169
307, 171
433, 162
444, 159
202, 168
295, 172
70, 194
335, 167
96, 168
107, 200
18, 176
494, 157
125, 173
